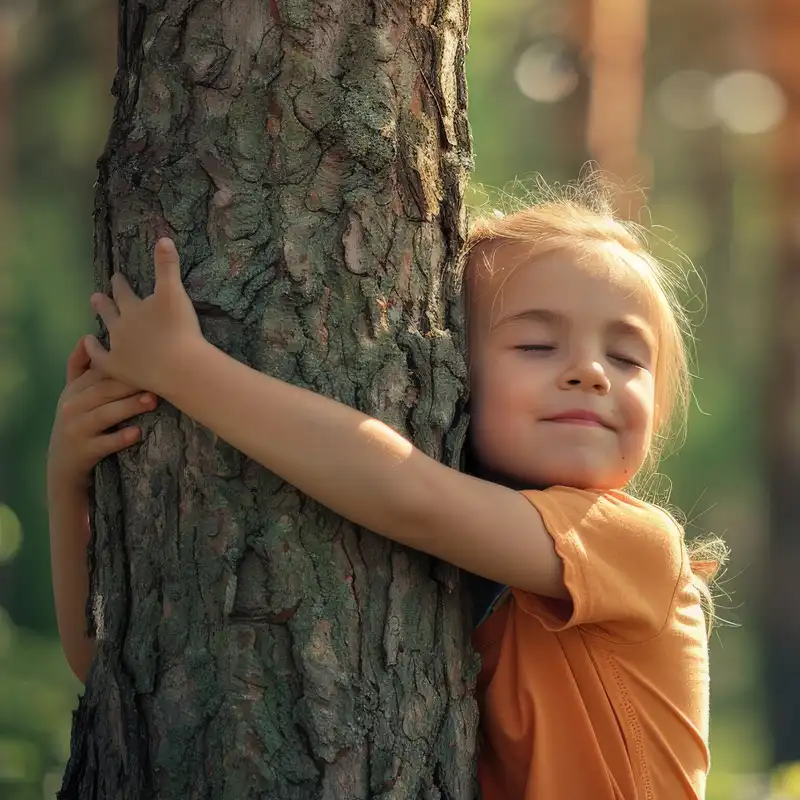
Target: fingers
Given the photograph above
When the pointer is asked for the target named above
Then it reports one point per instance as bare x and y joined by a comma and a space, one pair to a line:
81, 430
168, 265
97, 353
107, 310
121, 290
78, 361
111, 389
110, 414
93, 390
87, 427
108, 390
109, 443
80, 384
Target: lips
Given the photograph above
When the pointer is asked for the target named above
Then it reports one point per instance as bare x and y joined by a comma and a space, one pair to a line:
579, 417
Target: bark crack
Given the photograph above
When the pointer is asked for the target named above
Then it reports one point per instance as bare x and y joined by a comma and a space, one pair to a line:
297, 657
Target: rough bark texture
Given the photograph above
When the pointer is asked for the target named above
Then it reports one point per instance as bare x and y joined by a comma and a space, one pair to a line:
309, 159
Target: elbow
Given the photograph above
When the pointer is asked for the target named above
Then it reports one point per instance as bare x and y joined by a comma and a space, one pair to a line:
79, 659
79, 670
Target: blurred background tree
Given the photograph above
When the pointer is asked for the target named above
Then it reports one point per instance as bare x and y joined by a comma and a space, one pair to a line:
693, 105
780, 22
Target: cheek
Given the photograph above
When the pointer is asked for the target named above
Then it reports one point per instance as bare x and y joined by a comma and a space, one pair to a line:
506, 383
639, 405
497, 405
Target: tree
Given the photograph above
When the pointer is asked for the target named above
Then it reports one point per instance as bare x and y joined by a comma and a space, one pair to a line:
309, 159
614, 49
781, 25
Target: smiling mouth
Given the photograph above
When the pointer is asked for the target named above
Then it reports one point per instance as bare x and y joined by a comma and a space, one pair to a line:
582, 421
579, 416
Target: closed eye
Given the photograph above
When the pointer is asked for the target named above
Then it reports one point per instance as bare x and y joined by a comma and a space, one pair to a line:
626, 361
535, 348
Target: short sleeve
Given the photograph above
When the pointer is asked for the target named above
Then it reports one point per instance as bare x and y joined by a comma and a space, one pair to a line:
622, 558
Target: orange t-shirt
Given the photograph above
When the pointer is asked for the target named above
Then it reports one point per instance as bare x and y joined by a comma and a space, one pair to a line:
605, 696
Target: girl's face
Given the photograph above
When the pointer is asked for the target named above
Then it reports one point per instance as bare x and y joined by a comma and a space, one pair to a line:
563, 356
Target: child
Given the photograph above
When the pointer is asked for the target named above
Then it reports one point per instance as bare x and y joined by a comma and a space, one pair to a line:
88, 406
595, 679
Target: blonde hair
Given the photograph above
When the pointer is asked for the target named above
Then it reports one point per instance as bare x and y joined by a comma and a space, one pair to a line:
579, 218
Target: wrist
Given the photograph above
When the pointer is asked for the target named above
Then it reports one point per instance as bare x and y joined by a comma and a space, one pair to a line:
67, 489
180, 369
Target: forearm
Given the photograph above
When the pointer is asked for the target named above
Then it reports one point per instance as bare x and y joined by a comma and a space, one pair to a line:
347, 461
69, 537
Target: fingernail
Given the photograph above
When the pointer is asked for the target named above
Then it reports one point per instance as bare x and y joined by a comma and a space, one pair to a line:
146, 399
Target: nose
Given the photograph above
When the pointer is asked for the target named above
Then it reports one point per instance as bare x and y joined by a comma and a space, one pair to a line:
587, 375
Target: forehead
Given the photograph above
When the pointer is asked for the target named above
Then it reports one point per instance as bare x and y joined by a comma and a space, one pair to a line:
599, 283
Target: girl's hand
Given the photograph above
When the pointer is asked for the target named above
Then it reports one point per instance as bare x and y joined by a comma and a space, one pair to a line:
89, 405
146, 336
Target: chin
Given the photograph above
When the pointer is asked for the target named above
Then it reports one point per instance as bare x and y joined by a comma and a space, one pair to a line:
527, 476
578, 478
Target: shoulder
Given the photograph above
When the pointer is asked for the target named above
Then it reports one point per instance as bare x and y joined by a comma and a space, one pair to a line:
623, 561
613, 526
612, 507
640, 512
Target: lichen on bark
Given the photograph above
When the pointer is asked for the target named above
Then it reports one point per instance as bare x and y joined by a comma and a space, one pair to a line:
309, 159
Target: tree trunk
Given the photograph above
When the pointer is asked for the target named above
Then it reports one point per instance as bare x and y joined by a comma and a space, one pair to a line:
573, 111
617, 44
781, 21
309, 159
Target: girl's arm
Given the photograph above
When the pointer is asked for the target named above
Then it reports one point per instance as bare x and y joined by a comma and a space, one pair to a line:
89, 406
69, 536
355, 465
366, 472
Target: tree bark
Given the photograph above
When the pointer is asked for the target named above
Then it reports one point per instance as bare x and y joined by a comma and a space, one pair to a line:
309, 159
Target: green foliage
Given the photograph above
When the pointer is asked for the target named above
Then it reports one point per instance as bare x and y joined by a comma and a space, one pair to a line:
37, 695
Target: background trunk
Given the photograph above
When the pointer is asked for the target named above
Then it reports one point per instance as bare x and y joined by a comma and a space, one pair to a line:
781, 21
617, 36
309, 159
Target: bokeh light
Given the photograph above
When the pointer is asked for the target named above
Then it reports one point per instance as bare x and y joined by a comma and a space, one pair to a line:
748, 102
10, 534
545, 73
684, 98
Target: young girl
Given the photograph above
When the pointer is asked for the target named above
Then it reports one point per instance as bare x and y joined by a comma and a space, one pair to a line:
595, 678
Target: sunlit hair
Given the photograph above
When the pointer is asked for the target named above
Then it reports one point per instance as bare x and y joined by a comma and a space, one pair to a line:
579, 219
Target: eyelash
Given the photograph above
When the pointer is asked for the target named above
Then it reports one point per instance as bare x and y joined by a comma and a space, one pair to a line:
547, 348
628, 362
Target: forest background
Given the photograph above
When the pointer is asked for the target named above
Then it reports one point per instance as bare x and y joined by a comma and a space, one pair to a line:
689, 103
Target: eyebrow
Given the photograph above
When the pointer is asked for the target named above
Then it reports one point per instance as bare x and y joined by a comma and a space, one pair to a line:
534, 315
549, 317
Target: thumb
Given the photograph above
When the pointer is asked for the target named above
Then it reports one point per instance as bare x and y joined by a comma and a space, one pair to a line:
78, 361
98, 355
168, 264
